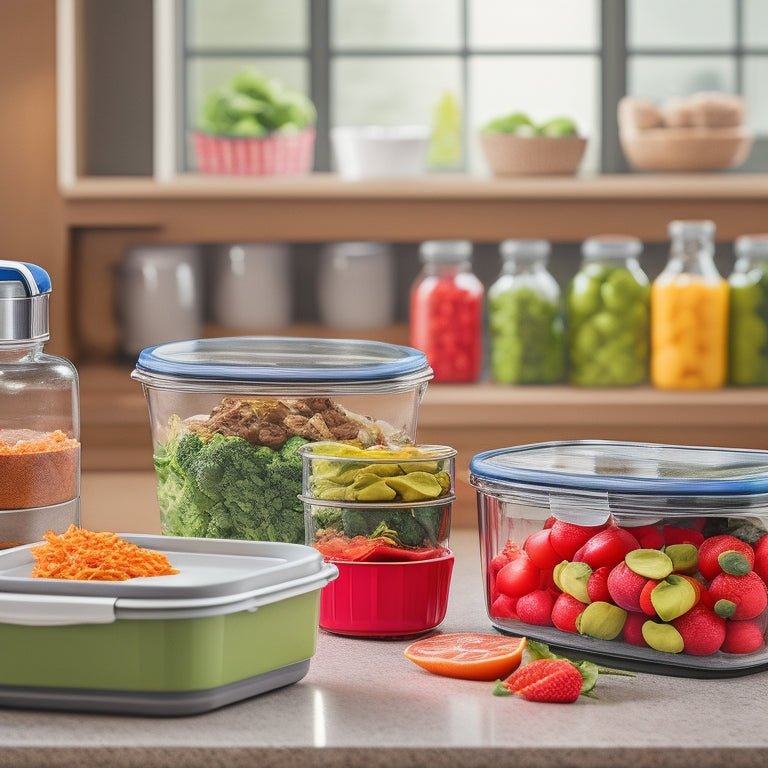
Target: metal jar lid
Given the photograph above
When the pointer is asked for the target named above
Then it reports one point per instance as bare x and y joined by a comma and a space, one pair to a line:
25, 290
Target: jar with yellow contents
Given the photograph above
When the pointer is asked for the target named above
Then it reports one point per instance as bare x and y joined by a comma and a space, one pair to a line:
689, 312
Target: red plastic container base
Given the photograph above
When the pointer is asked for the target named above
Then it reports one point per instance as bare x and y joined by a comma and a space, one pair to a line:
387, 599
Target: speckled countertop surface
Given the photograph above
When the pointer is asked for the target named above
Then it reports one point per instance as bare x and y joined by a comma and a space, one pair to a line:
363, 704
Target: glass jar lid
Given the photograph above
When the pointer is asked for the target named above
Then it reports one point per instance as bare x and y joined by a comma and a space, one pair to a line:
445, 250
754, 246
611, 247
533, 250
24, 295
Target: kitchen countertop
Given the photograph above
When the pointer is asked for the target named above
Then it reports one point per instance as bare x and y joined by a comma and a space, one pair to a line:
363, 703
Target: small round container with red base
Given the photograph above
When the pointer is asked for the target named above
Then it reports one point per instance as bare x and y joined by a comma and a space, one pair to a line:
382, 515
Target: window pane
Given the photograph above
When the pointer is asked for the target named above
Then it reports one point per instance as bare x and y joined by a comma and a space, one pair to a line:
662, 77
247, 23
544, 87
382, 24
526, 25
399, 90
755, 78
681, 24
755, 23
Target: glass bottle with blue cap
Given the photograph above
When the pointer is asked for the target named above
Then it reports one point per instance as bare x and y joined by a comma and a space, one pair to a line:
39, 414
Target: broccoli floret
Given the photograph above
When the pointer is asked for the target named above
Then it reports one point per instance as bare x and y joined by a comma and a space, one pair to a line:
431, 520
227, 487
327, 517
408, 529
358, 522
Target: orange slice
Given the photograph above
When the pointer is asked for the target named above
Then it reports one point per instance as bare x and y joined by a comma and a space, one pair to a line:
468, 655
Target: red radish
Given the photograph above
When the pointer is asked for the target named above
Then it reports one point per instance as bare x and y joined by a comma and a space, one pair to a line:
503, 607
539, 548
607, 548
761, 558
739, 597
597, 585
518, 577
567, 538
632, 631
677, 535
648, 535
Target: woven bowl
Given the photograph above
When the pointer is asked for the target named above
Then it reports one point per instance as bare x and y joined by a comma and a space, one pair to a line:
686, 149
509, 155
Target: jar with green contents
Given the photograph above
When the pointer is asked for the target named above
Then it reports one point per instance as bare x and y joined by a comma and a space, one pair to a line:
607, 315
525, 317
748, 312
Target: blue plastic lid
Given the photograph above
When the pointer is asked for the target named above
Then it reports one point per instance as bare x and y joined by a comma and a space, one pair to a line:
33, 279
625, 468
274, 359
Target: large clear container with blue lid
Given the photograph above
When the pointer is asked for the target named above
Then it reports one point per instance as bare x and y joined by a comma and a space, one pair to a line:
39, 414
648, 556
228, 416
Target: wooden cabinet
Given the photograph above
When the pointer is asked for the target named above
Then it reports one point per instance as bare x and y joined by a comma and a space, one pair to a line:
102, 216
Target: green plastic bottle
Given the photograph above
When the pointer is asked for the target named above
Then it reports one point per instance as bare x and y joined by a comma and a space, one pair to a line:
607, 315
525, 317
748, 312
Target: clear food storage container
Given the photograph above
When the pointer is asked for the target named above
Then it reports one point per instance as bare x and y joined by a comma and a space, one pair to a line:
228, 416
653, 557
382, 515
238, 619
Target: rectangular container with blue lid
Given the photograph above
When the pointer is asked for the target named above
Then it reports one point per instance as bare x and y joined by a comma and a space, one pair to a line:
239, 619
649, 556
228, 415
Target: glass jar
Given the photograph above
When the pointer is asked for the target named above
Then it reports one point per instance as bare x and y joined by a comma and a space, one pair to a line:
39, 414
525, 317
689, 312
607, 314
446, 321
748, 313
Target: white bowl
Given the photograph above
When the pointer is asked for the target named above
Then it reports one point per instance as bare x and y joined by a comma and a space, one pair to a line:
378, 151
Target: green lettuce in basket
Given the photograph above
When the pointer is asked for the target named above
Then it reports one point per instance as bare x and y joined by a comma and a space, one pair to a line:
253, 105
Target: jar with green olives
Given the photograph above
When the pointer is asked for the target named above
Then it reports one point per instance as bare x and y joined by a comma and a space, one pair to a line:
748, 312
525, 318
607, 315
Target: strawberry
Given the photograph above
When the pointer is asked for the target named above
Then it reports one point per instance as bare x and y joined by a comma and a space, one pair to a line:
546, 680
761, 558
710, 550
503, 607
625, 587
606, 548
742, 637
536, 607
566, 538
739, 597
702, 630
565, 611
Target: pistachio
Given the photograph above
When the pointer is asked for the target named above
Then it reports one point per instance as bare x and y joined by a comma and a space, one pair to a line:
662, 637
684, 557
601, 620
650, 563
673, 597
734, 563
572, 578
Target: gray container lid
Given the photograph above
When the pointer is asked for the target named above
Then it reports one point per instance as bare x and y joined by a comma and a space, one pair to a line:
216, 577
24, 295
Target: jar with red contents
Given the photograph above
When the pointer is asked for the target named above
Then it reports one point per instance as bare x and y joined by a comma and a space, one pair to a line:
447, 311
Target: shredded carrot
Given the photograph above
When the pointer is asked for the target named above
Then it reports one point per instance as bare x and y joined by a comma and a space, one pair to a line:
84, 555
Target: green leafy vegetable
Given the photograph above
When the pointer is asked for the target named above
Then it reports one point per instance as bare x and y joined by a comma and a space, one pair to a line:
251, 104
226, 487
520, 124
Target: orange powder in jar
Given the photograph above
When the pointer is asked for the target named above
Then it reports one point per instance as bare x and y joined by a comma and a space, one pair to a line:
37, 469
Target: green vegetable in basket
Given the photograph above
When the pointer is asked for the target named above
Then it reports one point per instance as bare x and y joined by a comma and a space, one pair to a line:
251, 104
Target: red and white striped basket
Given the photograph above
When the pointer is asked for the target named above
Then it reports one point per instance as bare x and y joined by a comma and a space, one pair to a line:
279, 154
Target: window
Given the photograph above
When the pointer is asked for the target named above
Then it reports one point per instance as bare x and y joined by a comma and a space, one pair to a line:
394, 61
